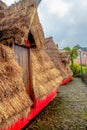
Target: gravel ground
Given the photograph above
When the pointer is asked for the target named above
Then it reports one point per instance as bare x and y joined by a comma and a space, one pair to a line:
68, 111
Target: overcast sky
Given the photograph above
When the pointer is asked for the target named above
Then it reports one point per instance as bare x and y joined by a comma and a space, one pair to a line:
65, 20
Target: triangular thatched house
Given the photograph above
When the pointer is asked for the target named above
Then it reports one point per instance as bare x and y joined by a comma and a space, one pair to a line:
46, 76
65, 59
21, 31
60, 59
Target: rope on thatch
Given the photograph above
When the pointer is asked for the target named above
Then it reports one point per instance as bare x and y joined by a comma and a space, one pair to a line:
14, 102
45, 76
31, 21
37, 31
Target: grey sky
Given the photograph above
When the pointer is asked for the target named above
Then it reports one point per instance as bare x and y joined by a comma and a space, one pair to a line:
65, 20
9, 2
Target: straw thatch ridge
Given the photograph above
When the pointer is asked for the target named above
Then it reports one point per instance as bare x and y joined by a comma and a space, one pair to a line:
52, 50
37, 31
2, 5
45, 76
14, 102
18, 20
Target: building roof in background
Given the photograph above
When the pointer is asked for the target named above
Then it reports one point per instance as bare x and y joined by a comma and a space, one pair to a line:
84, 49
84, 60
84, 52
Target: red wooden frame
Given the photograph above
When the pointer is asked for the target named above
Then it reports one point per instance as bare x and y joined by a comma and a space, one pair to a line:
66, 81
38, 106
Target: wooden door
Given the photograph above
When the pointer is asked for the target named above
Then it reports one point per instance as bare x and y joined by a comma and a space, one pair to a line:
23, 57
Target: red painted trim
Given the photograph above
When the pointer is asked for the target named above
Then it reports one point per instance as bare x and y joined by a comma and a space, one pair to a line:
38, 106
66, 81
27, 42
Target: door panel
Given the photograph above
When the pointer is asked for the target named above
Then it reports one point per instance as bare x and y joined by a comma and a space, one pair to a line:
22, 57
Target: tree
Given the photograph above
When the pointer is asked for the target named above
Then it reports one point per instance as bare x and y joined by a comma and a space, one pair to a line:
73, 53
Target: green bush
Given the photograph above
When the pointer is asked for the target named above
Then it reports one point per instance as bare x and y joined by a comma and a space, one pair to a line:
76, 68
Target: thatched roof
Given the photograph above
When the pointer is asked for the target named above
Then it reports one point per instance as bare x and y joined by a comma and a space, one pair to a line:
65, 56
65, 59
55, 55
2, 7
45, 76
18, 21
14, 102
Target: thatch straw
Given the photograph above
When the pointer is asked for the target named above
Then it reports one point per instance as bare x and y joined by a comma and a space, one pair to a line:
2, 5
65, 56
45, 76
65, 59
37, 32
13, 98
4, 55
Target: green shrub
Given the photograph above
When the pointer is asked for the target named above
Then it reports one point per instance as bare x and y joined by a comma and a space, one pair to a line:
76, 68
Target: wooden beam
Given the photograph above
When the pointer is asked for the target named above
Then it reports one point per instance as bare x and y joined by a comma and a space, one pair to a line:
30, 87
